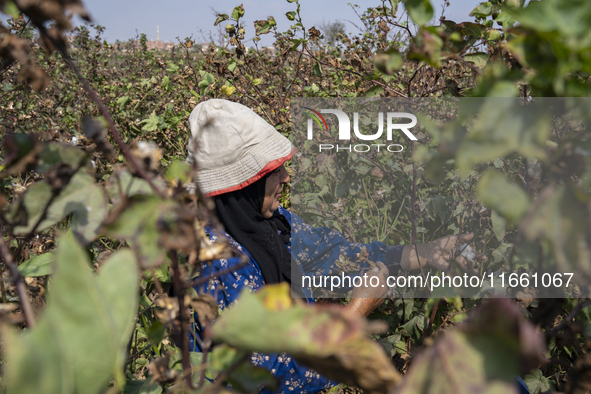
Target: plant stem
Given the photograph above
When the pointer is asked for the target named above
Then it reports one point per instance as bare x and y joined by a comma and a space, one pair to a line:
183, 339
17, 279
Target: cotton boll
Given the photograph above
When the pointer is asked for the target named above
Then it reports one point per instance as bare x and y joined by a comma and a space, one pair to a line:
467, 252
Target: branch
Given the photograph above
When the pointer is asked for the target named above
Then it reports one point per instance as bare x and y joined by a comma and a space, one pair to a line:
179, 290
18, 283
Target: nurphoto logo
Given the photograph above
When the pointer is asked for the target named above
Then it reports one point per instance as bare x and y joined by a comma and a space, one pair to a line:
345, 130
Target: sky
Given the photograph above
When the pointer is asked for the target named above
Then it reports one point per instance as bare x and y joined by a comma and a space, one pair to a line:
124, 19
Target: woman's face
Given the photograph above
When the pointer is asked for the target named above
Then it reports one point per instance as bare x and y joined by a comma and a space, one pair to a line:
273, 189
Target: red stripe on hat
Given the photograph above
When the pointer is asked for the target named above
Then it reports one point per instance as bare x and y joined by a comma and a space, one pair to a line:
270, 166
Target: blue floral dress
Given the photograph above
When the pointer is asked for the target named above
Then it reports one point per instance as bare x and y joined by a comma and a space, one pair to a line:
317, 250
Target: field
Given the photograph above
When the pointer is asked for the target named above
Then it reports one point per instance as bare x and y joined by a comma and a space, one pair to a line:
98, 230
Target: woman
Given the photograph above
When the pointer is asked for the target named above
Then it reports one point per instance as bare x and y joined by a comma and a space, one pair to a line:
240, 160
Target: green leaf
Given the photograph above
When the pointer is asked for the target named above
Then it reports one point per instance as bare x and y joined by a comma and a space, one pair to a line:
568, 18
291, 15
389, 61
320, 180
393, 344
142, 387
196, 358
82, 197
122, 184
53, 154
501, 253
584, 318
561, 215
178, 171
38, 266
296, 43
482, 355
237, 12
11, 9
440, 207
220, 18
426, 46
414, 328
209, 77
261, 27
499, 224
500, 127
141, 224
480, 59
536, 382
506, 20
206, 80
264, 26
374, 91
151, 124
156, 332
34, 362
171, 67
317, 68
420, 11
471, 29
321, 338
165, 83
60, 355
118, 284
482, 11
394, 5
496, 191
123, 101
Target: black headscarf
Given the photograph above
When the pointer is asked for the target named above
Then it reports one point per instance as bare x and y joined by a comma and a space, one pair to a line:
265, 239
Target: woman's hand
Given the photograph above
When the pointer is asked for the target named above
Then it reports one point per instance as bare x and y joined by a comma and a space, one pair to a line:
366, 299
437, 254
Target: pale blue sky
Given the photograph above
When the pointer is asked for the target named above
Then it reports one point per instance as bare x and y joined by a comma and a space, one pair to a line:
183, 18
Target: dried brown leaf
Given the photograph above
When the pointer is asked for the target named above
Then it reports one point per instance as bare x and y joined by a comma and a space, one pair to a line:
160, 371
18, 49
41, 11
205, 307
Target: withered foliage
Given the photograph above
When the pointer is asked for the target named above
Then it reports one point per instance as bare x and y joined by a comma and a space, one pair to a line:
13, 48
39, 12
